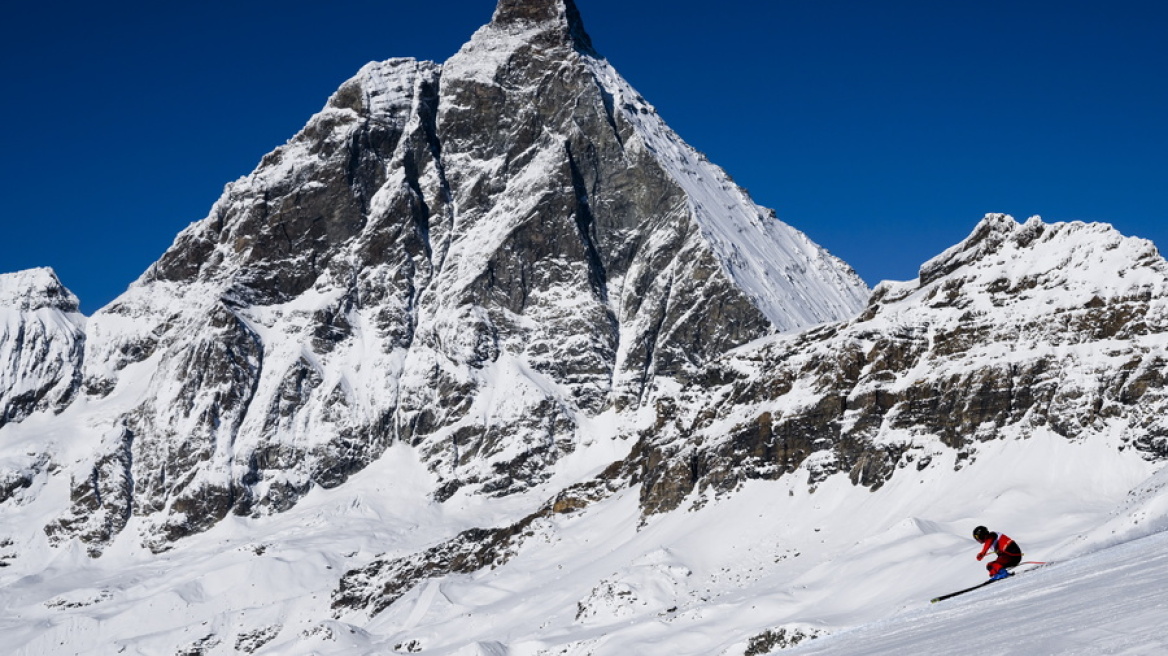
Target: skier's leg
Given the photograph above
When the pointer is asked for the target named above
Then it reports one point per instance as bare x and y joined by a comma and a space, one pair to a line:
994, 567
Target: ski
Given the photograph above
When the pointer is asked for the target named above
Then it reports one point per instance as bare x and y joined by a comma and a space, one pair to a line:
1039, 563
984, 584
954, 594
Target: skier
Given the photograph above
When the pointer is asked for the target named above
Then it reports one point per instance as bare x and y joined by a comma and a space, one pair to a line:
1008, 552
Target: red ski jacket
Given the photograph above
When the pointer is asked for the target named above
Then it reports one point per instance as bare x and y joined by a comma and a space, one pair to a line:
1000, 543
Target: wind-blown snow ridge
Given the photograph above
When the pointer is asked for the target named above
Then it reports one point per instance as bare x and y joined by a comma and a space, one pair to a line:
1016, 272
1092, 259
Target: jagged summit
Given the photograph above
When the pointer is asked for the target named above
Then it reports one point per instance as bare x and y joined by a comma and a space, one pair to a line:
1079, 260
561, 16
517, 218
33, 289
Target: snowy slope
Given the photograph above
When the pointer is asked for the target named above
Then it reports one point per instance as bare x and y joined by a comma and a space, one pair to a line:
772, 557
1108, 602
713, 580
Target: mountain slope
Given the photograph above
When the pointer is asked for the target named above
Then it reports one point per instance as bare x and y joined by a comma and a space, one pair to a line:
1106, 602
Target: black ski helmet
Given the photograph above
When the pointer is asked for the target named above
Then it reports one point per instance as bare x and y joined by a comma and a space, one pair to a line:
981, 533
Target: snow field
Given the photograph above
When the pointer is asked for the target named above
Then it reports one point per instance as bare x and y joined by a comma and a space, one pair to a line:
703, 580
773, 555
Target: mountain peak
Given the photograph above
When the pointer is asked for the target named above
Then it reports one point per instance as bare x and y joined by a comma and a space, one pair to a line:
560, 15
1000, 241
33, 289
987, 236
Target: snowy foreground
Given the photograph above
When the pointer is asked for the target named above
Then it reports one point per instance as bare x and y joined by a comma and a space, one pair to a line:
1111, 602
1114, 601
855, 567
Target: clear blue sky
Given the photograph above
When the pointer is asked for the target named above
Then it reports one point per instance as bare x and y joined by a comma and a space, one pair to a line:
882, 129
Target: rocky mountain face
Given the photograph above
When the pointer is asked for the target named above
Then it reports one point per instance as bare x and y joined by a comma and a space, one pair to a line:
517, 218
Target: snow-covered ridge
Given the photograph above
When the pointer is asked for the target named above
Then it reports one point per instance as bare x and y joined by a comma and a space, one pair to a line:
1091, 257
1059, 327
1005, 268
